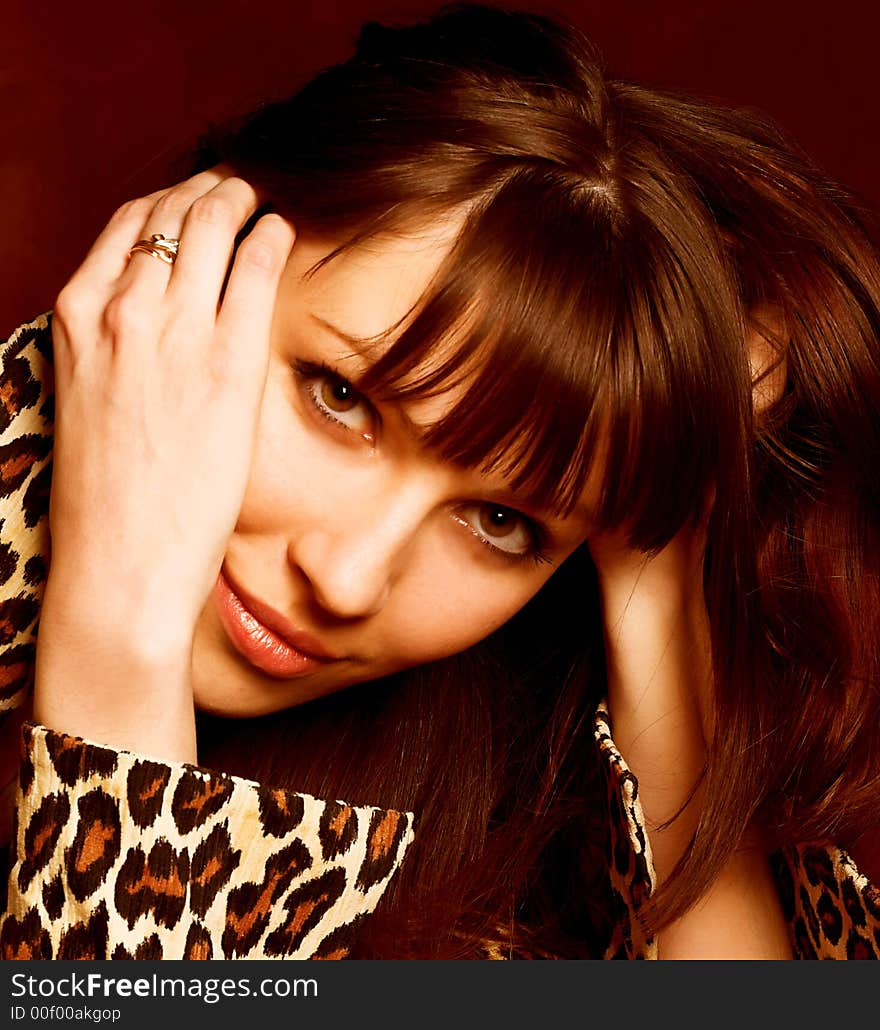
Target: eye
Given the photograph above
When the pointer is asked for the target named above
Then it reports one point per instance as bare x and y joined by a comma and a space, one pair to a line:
336, 399
504, 530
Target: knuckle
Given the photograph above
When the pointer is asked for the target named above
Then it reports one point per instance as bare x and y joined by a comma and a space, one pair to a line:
245, 195
239, 185
138, 207
68, 305
175, 202
214, 209
125, 316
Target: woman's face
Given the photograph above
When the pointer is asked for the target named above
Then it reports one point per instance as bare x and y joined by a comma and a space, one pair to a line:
358, 552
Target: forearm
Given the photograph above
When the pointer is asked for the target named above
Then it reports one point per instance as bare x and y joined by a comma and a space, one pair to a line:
660, 681
660, 734
660, 675
111, 680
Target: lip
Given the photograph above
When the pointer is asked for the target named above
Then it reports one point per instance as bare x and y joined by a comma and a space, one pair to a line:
265, 637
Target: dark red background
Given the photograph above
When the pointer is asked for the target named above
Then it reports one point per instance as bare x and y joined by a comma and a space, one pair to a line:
97, 98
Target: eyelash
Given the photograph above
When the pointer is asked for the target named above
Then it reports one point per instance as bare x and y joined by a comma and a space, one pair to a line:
307, 371
537, 540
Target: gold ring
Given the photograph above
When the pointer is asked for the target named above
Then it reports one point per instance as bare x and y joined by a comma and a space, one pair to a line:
158, 246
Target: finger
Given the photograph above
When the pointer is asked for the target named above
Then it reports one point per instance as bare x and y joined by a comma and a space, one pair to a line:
209, 231
245, 317
146, 276
108, 257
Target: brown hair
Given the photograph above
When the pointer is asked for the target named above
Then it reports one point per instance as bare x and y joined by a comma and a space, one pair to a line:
616, 241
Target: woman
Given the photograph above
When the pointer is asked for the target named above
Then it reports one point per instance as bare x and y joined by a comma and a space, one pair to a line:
506, 318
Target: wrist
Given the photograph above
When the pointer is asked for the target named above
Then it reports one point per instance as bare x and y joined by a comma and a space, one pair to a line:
146, 710
116, 679
141, 624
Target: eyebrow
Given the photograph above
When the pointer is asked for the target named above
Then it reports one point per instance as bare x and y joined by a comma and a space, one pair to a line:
360, 344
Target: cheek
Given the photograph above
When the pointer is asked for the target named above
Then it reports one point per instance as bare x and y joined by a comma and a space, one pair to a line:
444, 600
449, 608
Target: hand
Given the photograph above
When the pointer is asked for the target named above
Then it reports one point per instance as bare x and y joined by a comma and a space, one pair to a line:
158, 388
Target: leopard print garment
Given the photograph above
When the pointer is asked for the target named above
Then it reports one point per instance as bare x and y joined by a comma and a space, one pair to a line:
26, 418
630, 867
122, 857
115, 855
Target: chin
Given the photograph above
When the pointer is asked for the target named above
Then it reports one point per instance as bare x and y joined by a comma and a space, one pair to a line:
231, 700
225, 686
233, 707
250, 700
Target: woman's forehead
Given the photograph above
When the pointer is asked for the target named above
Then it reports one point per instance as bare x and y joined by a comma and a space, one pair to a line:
368, 290
364, 298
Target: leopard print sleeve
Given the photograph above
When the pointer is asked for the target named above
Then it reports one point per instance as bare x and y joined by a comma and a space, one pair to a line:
630, 866
121, 857
26, 420
833, 911
113, 855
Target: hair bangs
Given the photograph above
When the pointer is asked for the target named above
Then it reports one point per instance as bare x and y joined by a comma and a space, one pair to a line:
508, 323
580, 355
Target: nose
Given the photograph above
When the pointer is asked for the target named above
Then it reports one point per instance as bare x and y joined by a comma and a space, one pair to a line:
352, 556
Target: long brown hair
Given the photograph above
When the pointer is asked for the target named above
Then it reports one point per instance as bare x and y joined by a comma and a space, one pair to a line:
617, 240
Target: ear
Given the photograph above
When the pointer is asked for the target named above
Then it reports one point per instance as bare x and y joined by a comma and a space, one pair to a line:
766, 348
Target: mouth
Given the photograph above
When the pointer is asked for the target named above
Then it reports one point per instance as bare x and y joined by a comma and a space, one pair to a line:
265, 637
